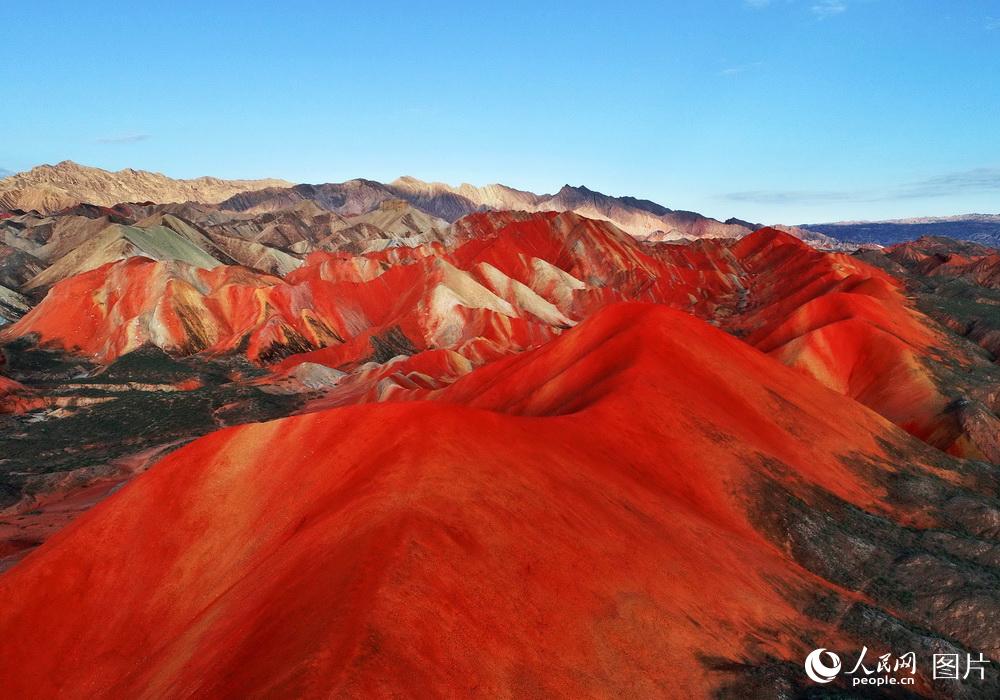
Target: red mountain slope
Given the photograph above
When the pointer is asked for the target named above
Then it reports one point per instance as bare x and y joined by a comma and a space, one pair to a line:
121, 306
944, 257
513, 282
559, 524
850, 326
15, 398
521, 282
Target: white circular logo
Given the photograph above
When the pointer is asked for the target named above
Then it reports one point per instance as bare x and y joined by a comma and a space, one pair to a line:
818, 670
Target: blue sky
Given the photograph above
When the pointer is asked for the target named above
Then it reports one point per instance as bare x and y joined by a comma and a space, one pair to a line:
771, 110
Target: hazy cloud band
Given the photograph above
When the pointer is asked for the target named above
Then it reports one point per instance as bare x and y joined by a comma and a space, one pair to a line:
124, 138
964, 182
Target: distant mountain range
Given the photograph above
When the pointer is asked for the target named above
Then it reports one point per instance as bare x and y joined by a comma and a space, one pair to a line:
53, 188
641, 218
979, 228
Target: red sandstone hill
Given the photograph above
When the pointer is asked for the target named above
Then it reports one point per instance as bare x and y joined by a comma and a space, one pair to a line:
514, 281
643, 488
844, 323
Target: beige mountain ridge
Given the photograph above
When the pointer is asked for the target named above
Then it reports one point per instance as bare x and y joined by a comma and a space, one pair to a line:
50, 188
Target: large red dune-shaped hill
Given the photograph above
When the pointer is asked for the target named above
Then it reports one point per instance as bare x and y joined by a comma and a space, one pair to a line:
596, 517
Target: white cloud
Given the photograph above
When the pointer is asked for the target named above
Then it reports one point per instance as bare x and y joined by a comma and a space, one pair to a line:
972, 181
828, 8
124, 138
737, 70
